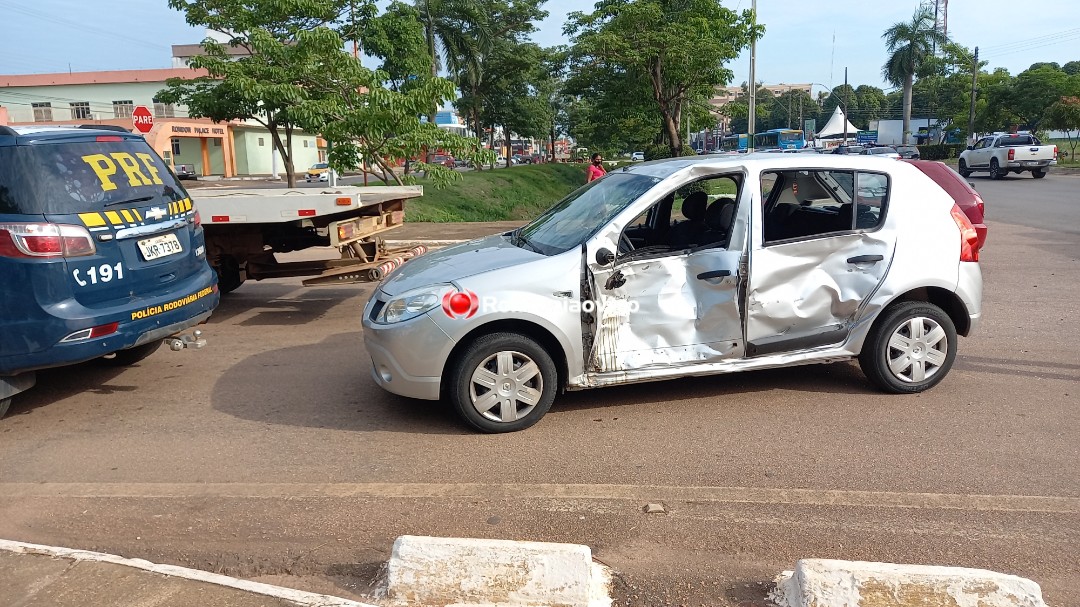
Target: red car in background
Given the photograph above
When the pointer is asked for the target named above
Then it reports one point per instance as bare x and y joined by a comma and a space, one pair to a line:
961, 191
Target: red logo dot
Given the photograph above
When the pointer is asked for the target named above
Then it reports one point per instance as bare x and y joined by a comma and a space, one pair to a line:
460, 304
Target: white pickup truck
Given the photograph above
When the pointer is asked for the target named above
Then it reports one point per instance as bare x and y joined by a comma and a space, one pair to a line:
1004, 154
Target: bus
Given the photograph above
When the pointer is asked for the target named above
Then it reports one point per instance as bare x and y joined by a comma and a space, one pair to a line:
734, 143
782, 139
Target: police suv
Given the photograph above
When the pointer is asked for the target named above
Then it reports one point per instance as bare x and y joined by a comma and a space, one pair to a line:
101, 252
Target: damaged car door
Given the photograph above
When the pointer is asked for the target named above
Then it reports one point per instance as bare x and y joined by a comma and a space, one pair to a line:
823, 250
666, 283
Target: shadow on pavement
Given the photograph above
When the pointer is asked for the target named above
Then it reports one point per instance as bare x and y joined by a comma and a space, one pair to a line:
274, 308
57, 384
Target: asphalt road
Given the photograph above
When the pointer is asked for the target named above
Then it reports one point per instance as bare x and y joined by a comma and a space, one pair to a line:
272, 455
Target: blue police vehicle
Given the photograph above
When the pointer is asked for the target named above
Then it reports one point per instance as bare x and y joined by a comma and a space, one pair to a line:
102, 253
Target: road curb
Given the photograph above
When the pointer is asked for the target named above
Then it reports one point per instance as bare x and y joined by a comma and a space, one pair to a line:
459, 571
299, 597
831, 583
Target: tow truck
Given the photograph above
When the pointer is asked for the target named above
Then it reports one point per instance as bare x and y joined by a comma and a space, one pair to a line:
245, 228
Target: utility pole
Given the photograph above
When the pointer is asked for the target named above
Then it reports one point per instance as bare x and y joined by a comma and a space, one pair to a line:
751, 118
843, 99
974, 88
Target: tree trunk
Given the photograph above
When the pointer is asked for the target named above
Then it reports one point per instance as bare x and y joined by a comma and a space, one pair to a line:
908, 85
275, 141
491, 144
290, 170
479, 133
552, 141
509, 145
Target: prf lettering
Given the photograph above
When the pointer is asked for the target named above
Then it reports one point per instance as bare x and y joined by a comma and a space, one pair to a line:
107, 166
172, 305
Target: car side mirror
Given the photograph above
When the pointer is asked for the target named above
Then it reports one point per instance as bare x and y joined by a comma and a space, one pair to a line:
605, 257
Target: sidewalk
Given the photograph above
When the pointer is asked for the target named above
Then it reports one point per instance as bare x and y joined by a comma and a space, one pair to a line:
40, 576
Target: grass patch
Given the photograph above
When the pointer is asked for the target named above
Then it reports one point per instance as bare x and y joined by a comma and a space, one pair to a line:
515, 193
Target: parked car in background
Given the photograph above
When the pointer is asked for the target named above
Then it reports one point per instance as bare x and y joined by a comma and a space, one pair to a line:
848, 149
320, 171
881, 150
643, 276
102, 253
637, 157
185, 172
961, 191
443, 159
908, 152
1004, 154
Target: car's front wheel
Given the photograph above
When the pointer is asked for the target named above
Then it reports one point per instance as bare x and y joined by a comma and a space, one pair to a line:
910, 348
5, 404
504, 382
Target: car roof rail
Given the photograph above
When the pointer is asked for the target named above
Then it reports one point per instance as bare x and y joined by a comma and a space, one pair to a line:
7, 130
104, 127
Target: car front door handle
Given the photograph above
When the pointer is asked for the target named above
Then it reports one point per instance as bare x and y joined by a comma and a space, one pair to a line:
866, 259
714, 274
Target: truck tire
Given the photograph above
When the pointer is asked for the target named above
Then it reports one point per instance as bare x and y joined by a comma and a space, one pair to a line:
5, 405
963, 170
1039, 174
995, 170
228, 272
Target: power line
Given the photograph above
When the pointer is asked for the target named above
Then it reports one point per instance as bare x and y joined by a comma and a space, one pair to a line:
1036, 39
54, 19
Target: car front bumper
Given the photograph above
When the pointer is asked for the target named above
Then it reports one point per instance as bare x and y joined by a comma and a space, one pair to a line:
407, 358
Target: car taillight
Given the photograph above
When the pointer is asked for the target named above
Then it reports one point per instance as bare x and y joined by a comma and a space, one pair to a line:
979, 203
1055, 151
197, 219
1012, 153
45, 240
969, 238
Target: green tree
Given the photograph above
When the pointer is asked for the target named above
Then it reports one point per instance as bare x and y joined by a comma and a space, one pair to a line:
396, 37
679, 46
910, 44
993, 106
514, 101
1035, 90
872, 104
1064, 115
1071, 68
787, 107
457, 32
738, 110
846, 98
258, 85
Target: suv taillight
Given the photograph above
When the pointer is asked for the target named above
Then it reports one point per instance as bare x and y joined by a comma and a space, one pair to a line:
197, 219
45, 240
969, 238
1012, 153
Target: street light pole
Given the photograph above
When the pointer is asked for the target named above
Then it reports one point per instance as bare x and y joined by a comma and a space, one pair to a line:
751, 117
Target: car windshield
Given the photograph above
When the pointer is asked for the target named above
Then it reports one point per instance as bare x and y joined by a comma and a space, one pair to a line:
321, 165
574, 219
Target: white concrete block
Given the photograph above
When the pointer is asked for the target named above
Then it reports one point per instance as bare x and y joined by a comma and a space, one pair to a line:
453, 571
828, 583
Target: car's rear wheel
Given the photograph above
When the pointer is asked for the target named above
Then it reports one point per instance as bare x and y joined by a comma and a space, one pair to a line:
125, 358
964, 171
505, 382
1038, 174
995, 169
5, 405
910, 348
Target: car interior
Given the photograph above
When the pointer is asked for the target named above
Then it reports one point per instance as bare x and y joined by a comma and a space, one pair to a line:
804, 203
698, 215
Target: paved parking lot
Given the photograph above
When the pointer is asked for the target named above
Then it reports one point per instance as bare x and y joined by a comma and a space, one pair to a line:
271, 454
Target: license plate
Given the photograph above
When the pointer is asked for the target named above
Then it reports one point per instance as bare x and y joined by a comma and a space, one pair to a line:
160, 246
1032, 163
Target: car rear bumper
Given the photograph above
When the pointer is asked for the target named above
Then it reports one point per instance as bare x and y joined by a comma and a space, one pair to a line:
138, 323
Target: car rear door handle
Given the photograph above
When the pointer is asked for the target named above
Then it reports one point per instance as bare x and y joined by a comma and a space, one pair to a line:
714, 274
866, 259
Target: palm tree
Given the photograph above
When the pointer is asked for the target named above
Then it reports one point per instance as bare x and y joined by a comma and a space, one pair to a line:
457, 32
910, 44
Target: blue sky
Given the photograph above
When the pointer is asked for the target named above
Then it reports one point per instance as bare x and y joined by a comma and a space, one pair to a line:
51, 35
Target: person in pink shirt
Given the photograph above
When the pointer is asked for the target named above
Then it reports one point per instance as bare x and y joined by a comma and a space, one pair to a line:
596, 169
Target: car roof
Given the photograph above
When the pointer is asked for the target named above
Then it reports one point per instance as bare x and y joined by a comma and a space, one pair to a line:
759, 161
18, 135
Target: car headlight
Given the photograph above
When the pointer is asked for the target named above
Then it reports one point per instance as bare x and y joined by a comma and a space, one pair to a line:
411, 304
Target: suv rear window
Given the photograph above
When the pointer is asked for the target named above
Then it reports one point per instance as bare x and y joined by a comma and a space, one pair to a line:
1021, 140
64, 178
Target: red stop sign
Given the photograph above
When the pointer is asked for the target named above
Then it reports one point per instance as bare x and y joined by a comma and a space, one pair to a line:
142, 119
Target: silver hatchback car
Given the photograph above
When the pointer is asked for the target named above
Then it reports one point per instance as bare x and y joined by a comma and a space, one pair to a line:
691, 266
